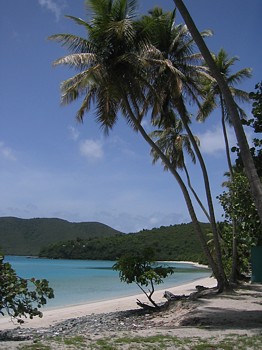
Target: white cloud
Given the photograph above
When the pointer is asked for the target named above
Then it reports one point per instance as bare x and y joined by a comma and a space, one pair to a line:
74, 133
52, 6
91, 149
6, 152
212, 141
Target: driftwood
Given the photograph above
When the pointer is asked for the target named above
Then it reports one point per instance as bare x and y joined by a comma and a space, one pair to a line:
146, 306
201, 292
200, 288
172, 297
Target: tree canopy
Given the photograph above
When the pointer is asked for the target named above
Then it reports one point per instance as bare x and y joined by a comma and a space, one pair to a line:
238, 203
147, 69
140, 268
21, 297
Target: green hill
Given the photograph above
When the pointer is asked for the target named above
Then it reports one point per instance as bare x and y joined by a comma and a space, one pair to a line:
178, 242
29, 236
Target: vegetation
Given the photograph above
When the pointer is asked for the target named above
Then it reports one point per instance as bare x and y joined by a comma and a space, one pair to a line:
123, 69
28, 236
251, 172
140, 268
20, 297
241, 216
239, 207
172, 142
213, 99
139, 68
256, 124
177, 76
147, 68
157, 342
175, 242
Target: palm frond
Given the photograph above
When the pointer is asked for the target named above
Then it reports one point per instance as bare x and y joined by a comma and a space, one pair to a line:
73, 43
79, 61
239, 76
79, 85
224, 63
99, 8
86, 104
72, 88
240, 95
106, 109
79, 21
206, 108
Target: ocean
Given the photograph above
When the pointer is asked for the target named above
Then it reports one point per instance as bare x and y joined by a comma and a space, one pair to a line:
82, 281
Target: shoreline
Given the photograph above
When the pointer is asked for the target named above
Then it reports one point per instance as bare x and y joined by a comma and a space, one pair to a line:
195, 264
53, 316
230, 319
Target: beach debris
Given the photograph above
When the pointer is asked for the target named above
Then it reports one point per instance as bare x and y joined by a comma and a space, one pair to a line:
172, 297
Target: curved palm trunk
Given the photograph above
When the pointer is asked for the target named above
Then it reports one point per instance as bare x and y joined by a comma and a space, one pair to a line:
197, 227
183, 114
229, 163
233, 277
254, 181
194, 193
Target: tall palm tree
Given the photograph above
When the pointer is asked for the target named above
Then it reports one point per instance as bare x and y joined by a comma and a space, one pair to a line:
113, 78
107, 61
177, 73
213, 99
253, 178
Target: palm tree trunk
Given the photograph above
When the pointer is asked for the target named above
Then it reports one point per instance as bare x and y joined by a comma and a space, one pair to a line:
233, 276
195, 194
229, 163
254, 181
183, 114
196, 224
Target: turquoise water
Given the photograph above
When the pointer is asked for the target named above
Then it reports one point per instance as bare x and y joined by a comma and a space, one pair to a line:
81, 281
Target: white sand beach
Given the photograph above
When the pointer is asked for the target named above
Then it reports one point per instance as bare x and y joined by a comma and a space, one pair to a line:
50, 317
232, 317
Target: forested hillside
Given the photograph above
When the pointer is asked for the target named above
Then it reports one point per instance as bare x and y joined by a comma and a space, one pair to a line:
29, 236
177, 242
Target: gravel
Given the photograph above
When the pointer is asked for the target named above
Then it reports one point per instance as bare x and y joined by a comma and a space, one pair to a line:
93, 324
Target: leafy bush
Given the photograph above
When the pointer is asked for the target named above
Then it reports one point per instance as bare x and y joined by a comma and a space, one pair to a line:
19, 296
140, 268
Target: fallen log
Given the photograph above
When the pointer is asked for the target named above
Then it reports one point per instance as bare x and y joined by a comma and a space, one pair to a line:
203, 292
172, 297
146, 306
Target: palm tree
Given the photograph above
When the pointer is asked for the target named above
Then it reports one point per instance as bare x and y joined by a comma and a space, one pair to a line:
254, 181
106, 60
113, 78
213, 99
172, 142
176, 76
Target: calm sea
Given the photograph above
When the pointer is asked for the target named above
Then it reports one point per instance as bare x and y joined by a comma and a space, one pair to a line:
80, 281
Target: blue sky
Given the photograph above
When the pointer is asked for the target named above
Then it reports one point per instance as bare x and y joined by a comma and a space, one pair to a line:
51, 166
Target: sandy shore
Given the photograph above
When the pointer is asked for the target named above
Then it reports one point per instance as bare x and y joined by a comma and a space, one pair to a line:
50, 317
231, 320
